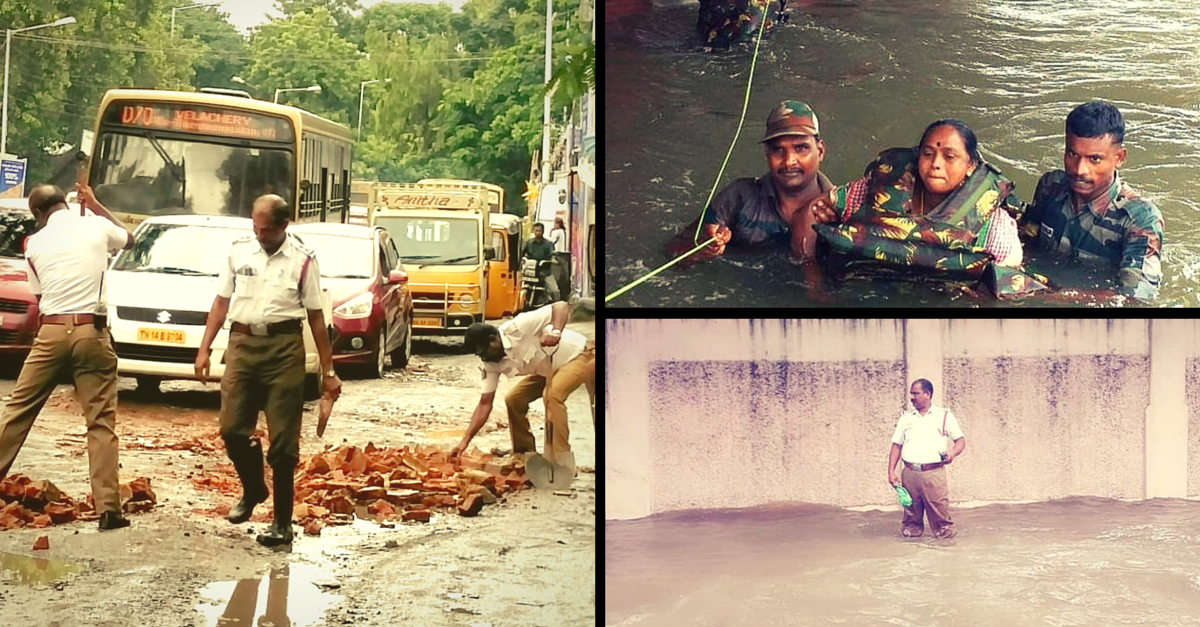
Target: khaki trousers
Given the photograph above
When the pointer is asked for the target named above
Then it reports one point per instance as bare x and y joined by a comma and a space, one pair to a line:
931, 497
86, 354
581, 370
264, 373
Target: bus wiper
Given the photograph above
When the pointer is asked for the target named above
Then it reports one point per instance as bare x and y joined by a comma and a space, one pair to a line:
175, 169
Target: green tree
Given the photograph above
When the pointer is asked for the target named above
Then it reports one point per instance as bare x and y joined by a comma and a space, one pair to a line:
303, 50
221, 48
342, 12
58, 75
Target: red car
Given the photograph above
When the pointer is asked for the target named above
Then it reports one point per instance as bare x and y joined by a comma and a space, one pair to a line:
18, 308
372, 306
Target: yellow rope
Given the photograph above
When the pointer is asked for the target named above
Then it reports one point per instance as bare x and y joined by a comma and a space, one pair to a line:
700, 223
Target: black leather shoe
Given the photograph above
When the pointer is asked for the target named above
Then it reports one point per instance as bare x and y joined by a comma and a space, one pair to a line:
245, 507
112, 520
277, 535
247, 458
280, 531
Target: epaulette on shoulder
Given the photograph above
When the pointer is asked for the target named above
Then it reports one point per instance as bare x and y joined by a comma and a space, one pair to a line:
245, 239
301, 246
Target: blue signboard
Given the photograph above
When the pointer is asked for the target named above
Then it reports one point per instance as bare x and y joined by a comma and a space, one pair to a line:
12, 178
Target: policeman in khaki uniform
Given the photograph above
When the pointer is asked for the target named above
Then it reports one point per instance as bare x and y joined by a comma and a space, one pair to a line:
269, 284
67, 258
536, 346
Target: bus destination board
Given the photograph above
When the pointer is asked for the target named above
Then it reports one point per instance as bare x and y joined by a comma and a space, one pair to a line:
201, 120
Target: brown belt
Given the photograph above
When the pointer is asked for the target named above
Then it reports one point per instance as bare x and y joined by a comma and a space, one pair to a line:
274, 328
922, 467
77, 319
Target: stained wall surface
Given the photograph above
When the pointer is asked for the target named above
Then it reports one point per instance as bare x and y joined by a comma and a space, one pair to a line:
712, 414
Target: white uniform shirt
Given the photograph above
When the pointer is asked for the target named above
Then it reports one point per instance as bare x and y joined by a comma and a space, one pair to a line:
266, 288
921, 437
559, 239
68, 258
524, 353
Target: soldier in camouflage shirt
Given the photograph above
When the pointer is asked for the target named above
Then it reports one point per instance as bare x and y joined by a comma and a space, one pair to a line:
1088, 211
754, 212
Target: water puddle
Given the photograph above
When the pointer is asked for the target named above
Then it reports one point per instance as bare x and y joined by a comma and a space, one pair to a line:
294, 594
32, 571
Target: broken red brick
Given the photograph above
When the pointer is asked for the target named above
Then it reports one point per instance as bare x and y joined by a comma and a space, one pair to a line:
43, 543
313, 528
381, 508
471, 505
141, 491
421, 515
340, 505
370, 494
41, 521
61, 512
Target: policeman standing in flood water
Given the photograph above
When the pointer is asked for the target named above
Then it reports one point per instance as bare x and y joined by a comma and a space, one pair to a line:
67, 259
921, 440
269, 283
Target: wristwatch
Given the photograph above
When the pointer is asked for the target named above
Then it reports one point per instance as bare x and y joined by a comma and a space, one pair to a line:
556, 332
330, 373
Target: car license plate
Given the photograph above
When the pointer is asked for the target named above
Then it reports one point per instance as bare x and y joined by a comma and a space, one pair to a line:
160, 335
427, 322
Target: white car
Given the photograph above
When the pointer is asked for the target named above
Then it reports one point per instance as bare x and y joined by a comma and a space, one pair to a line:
160, 292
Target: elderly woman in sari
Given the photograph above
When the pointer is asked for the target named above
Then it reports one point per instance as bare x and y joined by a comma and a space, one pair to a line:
938, 206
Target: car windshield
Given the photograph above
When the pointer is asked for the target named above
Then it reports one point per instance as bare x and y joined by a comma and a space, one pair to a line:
179, 249
150, 175
434, 241
341, 257
15, 226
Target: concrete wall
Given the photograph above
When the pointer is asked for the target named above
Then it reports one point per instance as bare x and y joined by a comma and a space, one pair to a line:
736, 413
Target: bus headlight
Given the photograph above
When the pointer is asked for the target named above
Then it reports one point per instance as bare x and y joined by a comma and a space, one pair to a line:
466, 300
357, 307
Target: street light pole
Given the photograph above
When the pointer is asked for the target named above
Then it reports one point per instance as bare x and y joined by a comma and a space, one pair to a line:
360, 102
210, 4
314, 88
7, 46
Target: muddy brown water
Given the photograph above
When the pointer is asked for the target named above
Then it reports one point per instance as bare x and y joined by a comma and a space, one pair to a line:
876, 72
1075, 561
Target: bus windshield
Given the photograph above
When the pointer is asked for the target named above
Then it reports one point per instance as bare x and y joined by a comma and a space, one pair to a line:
434, 241
145, 174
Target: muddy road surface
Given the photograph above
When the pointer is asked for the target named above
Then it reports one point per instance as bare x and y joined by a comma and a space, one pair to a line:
529, 559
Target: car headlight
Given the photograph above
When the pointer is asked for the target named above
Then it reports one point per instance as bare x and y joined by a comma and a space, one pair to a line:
357, 307
466, 300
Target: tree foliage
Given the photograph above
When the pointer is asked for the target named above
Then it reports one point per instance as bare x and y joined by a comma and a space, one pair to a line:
464, 99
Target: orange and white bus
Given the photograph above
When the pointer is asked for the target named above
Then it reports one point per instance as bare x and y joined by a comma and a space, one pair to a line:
167, 153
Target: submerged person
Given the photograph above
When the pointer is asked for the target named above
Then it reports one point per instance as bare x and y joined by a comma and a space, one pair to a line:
938, 207
1088, 211
927, 439
725, 22
757, 212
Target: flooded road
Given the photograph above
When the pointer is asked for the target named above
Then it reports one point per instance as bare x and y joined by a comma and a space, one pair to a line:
1076, 561
877, 72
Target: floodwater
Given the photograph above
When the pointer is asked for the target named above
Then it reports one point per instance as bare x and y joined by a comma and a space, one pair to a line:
1076, 561
877, 72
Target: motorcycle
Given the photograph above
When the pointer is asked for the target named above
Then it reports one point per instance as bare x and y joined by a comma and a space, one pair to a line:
533, 283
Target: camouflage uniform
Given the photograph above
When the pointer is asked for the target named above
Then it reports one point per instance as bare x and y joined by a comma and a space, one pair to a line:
1118, 226
725, 22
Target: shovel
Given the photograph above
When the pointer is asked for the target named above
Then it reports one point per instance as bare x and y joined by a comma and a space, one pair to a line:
554, 470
